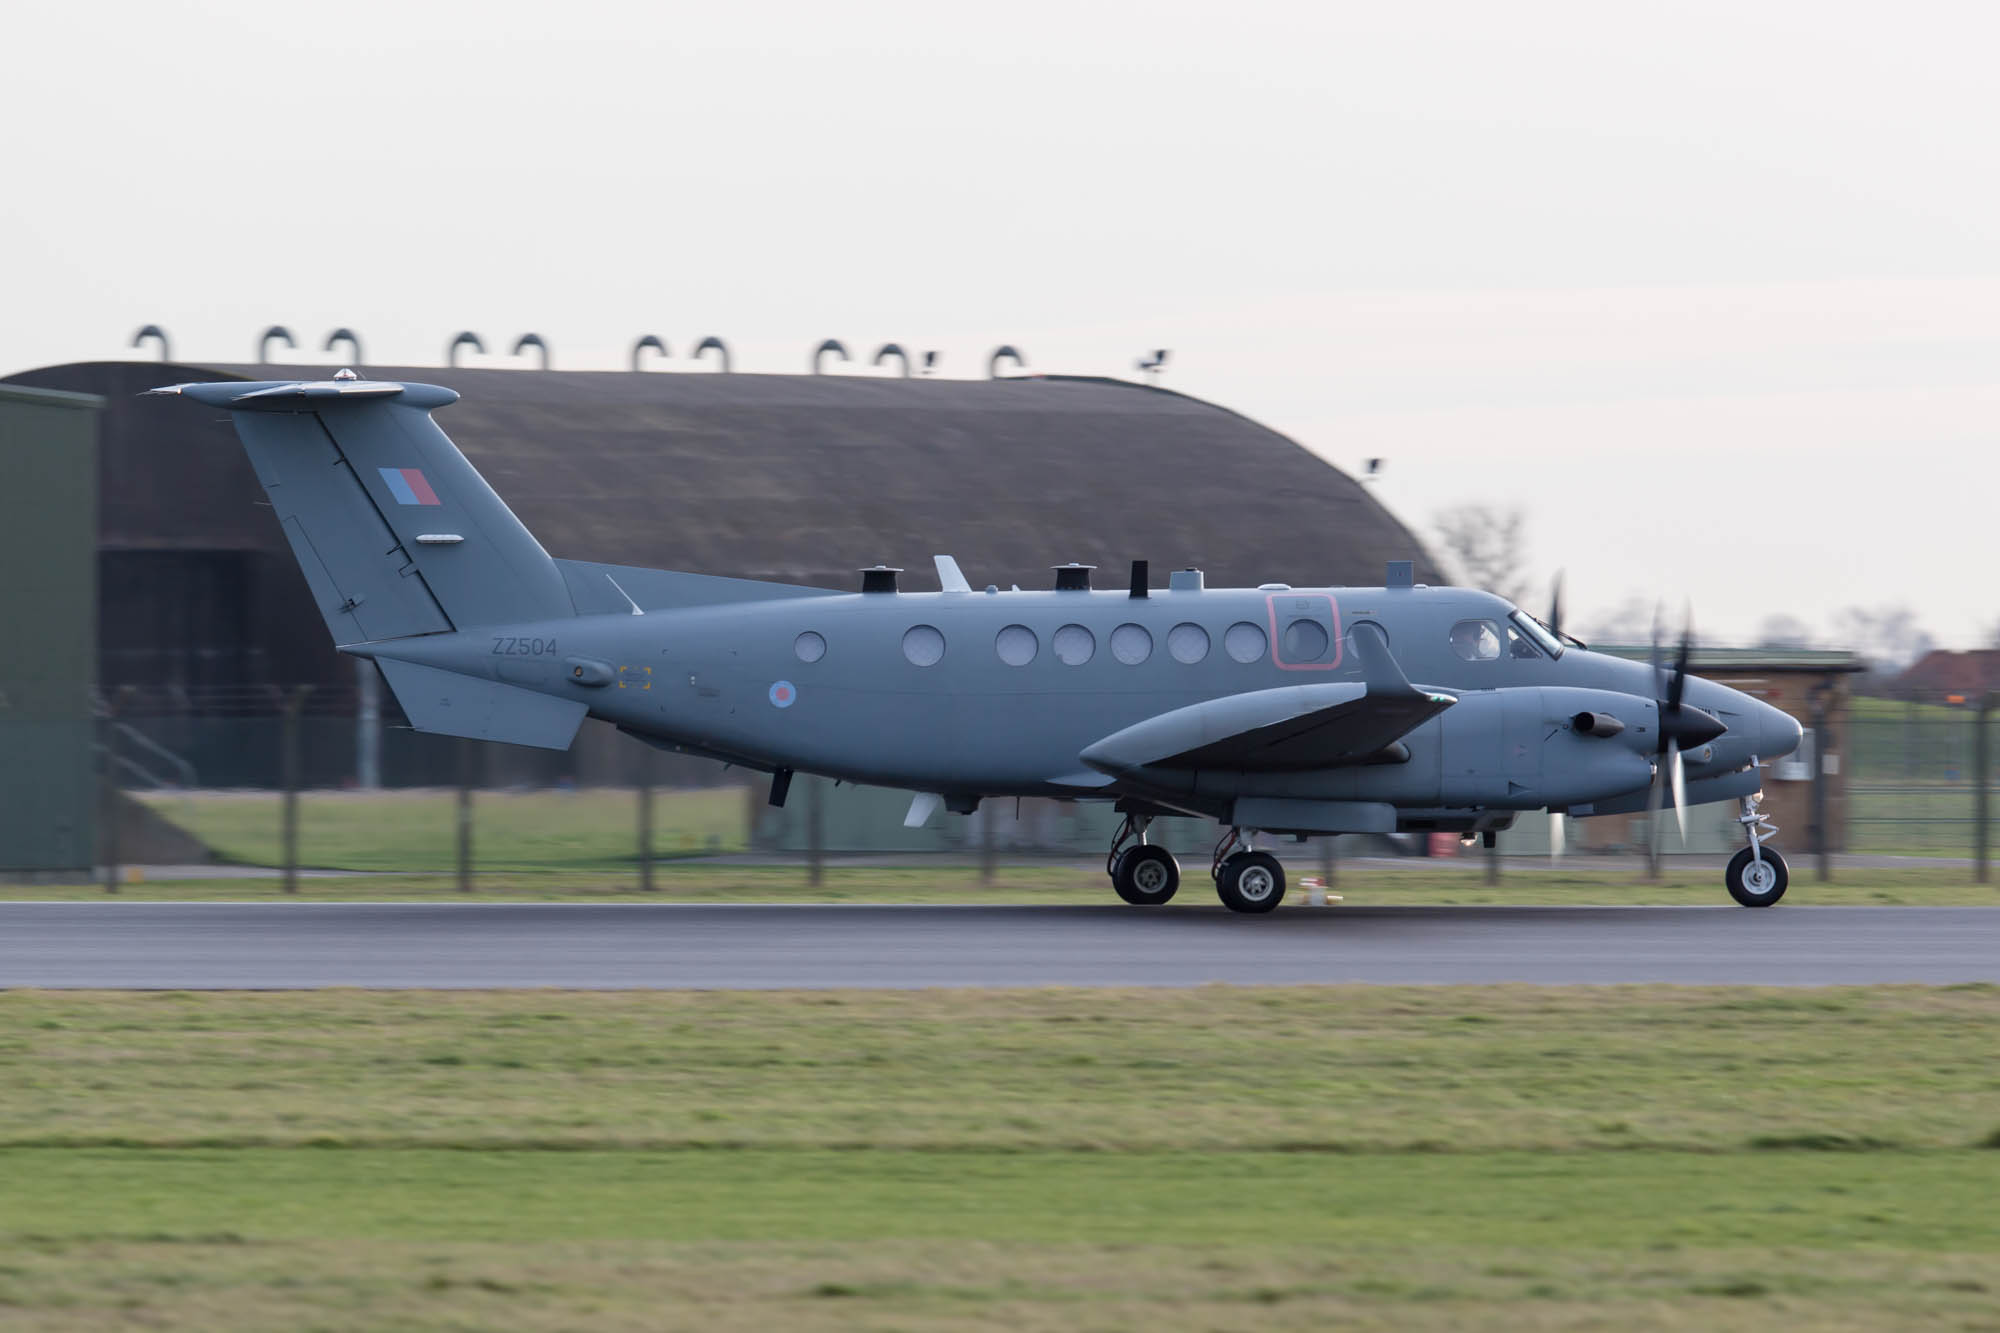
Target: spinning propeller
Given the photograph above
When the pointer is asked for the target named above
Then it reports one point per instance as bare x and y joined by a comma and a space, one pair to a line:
1681, 725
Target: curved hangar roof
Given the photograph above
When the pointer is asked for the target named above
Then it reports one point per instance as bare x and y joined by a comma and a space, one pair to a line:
805, 478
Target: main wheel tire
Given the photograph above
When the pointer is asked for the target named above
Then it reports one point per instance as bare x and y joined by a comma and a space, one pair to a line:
1117, 867
1757, 883
1251, 882
1147, 875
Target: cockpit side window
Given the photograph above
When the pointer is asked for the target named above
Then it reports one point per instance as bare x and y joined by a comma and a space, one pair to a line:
1476, 640
1544, 637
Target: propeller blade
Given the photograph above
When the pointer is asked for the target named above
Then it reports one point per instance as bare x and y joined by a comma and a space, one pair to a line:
1677, 683
1680, 789
1659, 678
1557, 837
1556, 606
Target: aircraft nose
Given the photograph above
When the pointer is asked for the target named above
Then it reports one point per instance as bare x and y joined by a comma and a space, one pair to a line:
1778, 732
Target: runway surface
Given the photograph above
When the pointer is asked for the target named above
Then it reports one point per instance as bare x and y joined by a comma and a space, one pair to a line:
223, 946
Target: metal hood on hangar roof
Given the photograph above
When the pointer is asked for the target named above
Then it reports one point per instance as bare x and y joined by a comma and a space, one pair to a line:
804, 478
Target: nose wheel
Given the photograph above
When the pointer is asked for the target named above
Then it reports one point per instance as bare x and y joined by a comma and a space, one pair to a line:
1142, 874
1757, 878
1757, 875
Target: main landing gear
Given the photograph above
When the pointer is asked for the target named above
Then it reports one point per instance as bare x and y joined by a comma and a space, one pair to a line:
1757, 875
1246, 880
1141, 873
1146, 875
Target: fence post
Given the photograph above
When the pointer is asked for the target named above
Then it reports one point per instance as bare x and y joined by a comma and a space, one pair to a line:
107, 819
815, 834
646, 820
1326, 861
367, 725
289, 765
1982, 760
465, 753
1822, 848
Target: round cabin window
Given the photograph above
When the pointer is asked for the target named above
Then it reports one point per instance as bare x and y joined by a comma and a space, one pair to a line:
1245, 642
1131, 644
1074, 645
809, 646
1017, 645
1188, 643
923, 645
1305, 641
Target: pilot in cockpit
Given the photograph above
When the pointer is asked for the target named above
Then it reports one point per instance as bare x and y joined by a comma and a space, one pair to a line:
1475, 640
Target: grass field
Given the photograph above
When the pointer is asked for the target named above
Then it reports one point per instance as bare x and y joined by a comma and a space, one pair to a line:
580, 830
1646, 1158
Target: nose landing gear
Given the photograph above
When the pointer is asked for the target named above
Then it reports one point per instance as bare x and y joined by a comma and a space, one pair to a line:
1757, 875
1245, 879
1141, 873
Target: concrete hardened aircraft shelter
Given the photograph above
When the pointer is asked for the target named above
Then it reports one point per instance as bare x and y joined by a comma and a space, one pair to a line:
799, 478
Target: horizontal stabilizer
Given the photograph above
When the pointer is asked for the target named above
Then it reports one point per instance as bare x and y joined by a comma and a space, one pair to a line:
445, 703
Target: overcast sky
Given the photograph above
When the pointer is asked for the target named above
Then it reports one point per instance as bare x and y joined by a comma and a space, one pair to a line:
1711, 290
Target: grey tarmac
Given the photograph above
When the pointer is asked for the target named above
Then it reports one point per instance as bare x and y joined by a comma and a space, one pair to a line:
231, 946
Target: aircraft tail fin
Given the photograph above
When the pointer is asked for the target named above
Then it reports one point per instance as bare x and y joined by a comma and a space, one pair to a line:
396, 532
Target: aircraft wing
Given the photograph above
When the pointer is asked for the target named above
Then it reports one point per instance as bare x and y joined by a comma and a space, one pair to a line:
1289, 728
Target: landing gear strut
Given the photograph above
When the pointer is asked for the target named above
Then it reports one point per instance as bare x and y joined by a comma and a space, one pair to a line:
1141, 873
1245, 879
1757, 875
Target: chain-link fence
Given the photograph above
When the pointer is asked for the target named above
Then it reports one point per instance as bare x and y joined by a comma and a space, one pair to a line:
333, 780
1913, 782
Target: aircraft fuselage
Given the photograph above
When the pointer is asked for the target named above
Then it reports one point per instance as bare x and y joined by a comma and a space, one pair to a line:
998, 693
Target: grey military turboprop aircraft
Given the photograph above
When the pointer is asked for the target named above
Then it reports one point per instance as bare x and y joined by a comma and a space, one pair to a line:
1274, 710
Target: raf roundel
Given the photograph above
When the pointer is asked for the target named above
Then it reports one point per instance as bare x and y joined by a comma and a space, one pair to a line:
784, 694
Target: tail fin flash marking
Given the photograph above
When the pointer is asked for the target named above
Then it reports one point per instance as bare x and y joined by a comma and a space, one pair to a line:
407, 484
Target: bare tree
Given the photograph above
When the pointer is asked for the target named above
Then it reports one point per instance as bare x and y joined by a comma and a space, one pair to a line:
1888, 637
1486, 547
1783, 631
1629, 623
1991, 639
